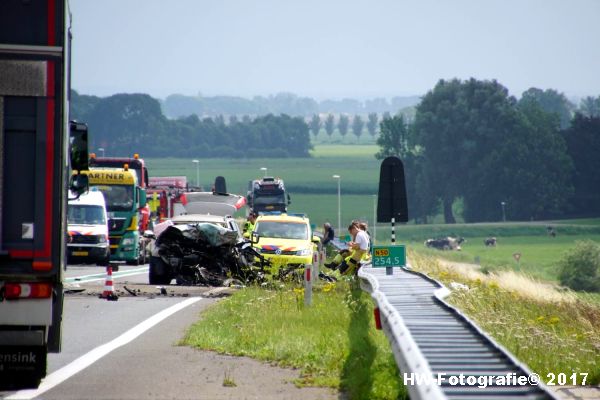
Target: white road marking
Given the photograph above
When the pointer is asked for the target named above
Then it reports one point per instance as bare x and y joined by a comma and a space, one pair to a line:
101, 277
94, 355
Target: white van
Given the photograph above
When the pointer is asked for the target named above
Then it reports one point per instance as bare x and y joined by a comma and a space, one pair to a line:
88, 229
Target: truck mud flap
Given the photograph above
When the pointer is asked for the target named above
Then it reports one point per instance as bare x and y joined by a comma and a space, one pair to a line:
22, 367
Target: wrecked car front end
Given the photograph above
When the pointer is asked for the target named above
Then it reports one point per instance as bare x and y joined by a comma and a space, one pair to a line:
200, 254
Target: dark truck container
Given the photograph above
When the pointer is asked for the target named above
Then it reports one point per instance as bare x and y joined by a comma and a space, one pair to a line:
267, 195
34, 173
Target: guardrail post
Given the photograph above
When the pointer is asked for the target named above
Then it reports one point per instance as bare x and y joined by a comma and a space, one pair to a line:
307, 285
315, 266
390, 270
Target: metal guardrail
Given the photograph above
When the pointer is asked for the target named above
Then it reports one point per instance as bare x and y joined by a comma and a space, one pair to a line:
430, 338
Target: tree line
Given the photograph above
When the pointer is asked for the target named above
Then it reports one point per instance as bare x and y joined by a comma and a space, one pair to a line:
134, 123
177, 105
470, 140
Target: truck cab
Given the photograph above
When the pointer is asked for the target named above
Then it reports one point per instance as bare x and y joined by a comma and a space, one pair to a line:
135, 164
124, 201
267, 195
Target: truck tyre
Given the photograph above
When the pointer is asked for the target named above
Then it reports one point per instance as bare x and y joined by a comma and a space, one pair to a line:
159, 272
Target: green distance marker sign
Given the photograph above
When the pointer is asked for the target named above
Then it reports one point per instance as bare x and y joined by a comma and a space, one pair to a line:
389, 256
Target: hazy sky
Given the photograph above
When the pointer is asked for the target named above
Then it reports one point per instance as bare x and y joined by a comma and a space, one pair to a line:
332, 48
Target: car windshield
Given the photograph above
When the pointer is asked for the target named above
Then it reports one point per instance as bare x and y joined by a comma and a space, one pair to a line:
282, 230
118, 197
85, 215
274, 199
196, 222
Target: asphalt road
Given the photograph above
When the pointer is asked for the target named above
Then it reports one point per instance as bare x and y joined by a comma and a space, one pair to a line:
128, 349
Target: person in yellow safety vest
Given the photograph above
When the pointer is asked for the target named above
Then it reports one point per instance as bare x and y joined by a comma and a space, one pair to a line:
359, 250
154, 203
249, 224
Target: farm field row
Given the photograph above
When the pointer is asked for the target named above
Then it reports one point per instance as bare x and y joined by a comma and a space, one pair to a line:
356, 164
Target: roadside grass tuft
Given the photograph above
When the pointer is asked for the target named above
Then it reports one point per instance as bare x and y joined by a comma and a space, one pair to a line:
333, 343
228, 380
551, 331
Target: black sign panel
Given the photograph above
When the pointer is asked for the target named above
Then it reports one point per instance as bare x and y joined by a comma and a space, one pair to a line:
220, 185
392, 202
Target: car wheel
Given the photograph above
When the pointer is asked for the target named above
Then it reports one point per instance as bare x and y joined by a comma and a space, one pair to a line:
158, 272
104, 262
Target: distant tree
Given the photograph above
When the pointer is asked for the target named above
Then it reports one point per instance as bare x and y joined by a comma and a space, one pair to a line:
408, 113
178, 105
343, 124
134, 123
315, 124
590, 106
291, 104
403, 102
290, 133
515, 170
246, 119
81, 106
219, 119
126, 123
349, 106
233, 119
386, 115
393, 138
551, 101
478, 146
330, 125
357, 126
583, 144
441, 139
378, 104
372, 124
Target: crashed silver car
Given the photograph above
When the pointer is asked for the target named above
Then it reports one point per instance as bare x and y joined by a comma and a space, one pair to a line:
201, 248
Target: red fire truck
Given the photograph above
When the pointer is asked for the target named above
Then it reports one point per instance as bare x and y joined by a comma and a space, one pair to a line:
164, 196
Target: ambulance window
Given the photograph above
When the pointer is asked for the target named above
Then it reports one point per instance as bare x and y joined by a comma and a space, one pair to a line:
85, 215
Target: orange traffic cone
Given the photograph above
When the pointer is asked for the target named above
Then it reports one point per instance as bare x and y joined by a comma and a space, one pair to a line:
109, 289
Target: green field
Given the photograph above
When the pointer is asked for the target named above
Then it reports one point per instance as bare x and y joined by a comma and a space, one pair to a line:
539, 252
355, 164
539, 255
305, 178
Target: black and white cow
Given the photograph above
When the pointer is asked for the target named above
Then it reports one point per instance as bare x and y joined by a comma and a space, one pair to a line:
490, 241
447, 243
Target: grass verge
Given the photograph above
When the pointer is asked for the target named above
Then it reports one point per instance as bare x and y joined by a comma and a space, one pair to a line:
334, 342
549, 330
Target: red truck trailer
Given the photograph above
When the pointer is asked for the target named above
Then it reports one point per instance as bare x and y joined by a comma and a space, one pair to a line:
34, 176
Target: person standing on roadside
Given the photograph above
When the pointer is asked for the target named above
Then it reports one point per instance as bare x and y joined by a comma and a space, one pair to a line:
328, 235
249, 224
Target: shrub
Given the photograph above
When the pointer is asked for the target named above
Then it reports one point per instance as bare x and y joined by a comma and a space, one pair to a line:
579, 267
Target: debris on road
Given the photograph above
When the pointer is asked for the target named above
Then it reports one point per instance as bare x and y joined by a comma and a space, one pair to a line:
131, 292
